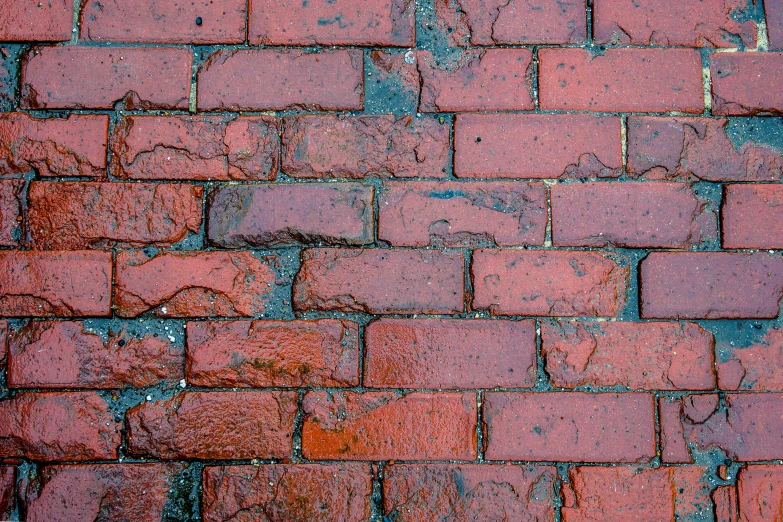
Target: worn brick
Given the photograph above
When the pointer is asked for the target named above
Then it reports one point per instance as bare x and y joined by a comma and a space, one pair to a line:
751, 216
11, 211
31, 20
756, 497
384, 426
3, 343
563, 426
753, 367
741, 83
7, 491
774, 18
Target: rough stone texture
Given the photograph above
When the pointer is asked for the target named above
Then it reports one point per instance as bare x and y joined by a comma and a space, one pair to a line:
214, 425
754, 367
31, 20
10, 211
741, 83
449, 353
751, 216
757, 496
774, 15
3, 343
323, 352
288, 492
385, 426
7, 491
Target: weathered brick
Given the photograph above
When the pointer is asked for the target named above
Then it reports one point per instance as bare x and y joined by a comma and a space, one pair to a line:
53, 426
364, 146
99, 77
537, 146
55, 283
196, 147
514, 282
11, 211
3, 343
628, 80
751, 216
324, 492
756, 497
753, 367
31, 20
323, 352
563, 426
145, 21
7, 491
65, 354
450, 353
75, 146
382, 23
741, 83
214, 425
192, 284
380, 281
710, 285
631, 215
104, 215
649, 356
336, 214
101, 492
328, 80
415, 492
774, 17
384, 426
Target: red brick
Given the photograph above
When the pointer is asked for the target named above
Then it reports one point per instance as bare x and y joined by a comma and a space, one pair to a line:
365, 146
563, 426
385, 426
100, 77
774, 16
514, 282
7, 491
53, 146
630, 215
751, 216
638, 356
382, 23
195, 147
741, 83
337, 214
710, 285
65, 354
44, 284
481, 80
324, 492
380, 281
11, 211
450, 353
161, 21
753, 367
627, 493
101, 492
54, 426
628, 80
322, 352
697, 149
104, 215
756, 497
214, 425
699, 23
415, 492
32, 20
724, 499
192, 284
537, 146
328, 80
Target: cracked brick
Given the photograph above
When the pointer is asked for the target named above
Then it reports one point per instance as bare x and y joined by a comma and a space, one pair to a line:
757, 495
741, 83
755, 367
751, 216
10, 211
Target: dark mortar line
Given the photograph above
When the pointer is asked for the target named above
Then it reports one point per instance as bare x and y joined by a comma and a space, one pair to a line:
480, 427
376, 498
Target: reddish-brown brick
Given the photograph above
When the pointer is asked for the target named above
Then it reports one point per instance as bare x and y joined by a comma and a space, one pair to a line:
53, 426
751, 216
631, 215
710, 285
328, 80
99, 77
415, 492
53, 146
191, 284
7, 491
380, 281
101, 492
103, 215
653, 80
323, 352
323, 492
753, 367
604, 427
741, 83
382, 23
67, 354
161, 21
450, 353
11, 211
756, 497
384, 426
31, 20
196, 147
774, 15
364, 146
55, 283
337, 214
513, 282
649, 356
214, 425
537, 146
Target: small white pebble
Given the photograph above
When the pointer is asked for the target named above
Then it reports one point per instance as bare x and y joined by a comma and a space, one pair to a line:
182, 383
149, 397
